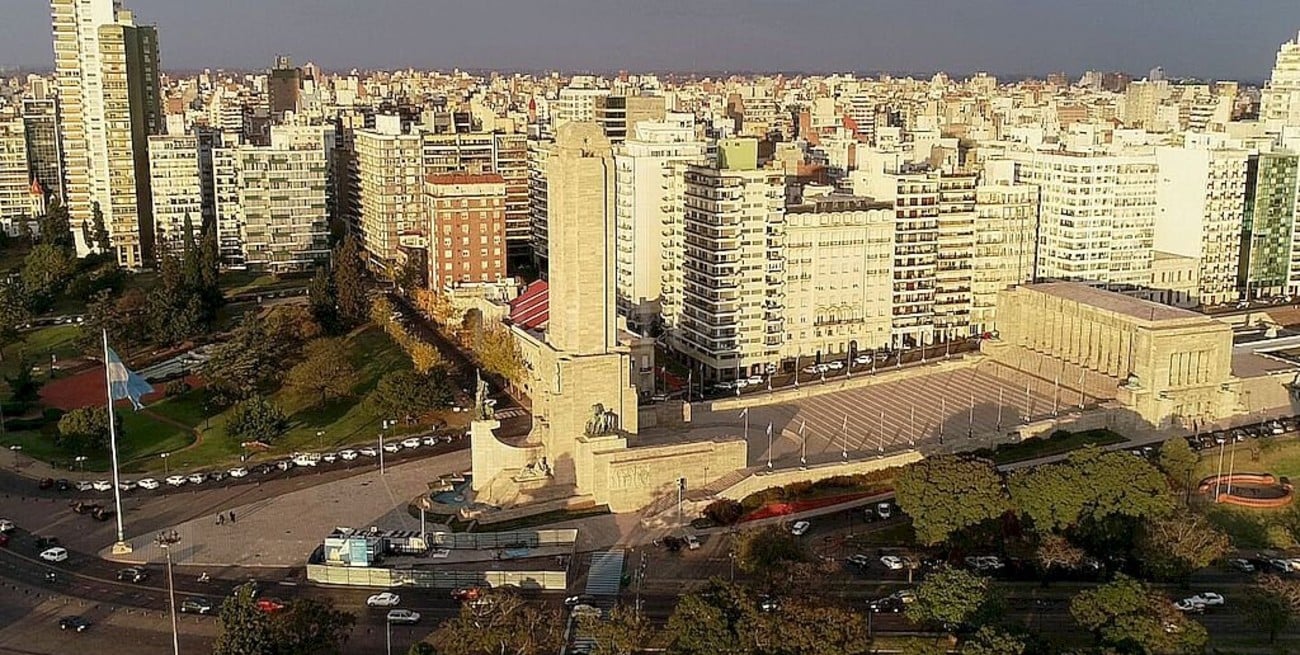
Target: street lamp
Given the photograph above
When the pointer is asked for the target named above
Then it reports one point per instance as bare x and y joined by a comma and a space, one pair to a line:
166, 540
81, 462
164, 457
320, 439
388, 634
17, 450
387, 423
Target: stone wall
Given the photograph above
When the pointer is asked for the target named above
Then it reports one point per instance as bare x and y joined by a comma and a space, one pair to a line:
632, 478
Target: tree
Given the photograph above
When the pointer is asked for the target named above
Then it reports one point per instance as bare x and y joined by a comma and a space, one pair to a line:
23, 386
769, 550
506, 626
326, 370
320, 298
210, 267
1056, 552
1091, 484
306, 627
256, 419
99, 233
1129, 616
993, 641
924, 646
85, 429
1269, 610
1177, 461
351, 282
624, 633
13, 312
408, 394
945, 493
421, 648
498, 352
709, 622
56, 227
1175, 546
46, 270
950, 597
425, 357
257, 353
803, 627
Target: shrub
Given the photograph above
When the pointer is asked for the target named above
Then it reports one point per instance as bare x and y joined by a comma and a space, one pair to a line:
724, 511
176, 388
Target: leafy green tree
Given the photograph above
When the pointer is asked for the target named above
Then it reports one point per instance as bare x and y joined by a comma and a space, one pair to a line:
101, 241
508, 626
321, 300
804, 627
1175, 546
13, 312
56, 227
306, 627
258, 352
46, 270
325, 371
709, 622
85, 429
256, 419
1091, 484
1129, 616
924, 646
209, 257
351, 282
993, 641
1269, 611
769, 551
624, 632
945, 493
408, 394
23, 386
1056, 552
125, 317
176, 312
1177, 461
245, 630
950, 597
499, 353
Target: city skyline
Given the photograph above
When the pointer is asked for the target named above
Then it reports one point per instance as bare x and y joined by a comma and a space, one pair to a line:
1214, 41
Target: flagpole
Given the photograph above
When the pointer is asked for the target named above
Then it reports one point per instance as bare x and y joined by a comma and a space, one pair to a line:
803, 445
769, 445
121, 546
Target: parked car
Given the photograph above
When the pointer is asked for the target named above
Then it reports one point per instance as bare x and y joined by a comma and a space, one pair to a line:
862, 360
284, 464
1188, 606
74, 623
149, 483
1208, 598
411, 442
405, 617
126, 485
102, 485
175, 480
329, 458
579, 599
62, 484
83, 485
392, 447
431, 440
197, 478
79, 507
884, 510
196, 605
834, 365
692, 542
800, 528
6, 525
55, 555
368, 451
384, 599
859, 560
466, 593
306, 459
755, 381
347, 455
131, 575
1242, 565
217, 476
270, 605
892, 562
238, 472
769, 604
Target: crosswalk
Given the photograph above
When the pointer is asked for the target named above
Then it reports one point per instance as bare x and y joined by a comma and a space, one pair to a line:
513, 412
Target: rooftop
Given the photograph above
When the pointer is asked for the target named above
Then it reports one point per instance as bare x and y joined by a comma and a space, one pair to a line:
837, 202
1114, 302
465, 178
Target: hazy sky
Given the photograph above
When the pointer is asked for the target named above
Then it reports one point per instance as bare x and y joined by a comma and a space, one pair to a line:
1208, 38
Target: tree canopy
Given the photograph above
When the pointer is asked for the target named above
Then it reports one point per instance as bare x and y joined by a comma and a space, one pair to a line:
325, 371
950, 597
408, 394
85, 429
1130, 616
945, 493
1175, 546
256, 419
306, 627
506, 625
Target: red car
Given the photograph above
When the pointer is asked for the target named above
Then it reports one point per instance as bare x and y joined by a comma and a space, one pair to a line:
270, 605
466, 593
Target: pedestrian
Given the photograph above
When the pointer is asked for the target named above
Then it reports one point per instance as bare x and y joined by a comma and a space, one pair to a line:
232, 516
221, 519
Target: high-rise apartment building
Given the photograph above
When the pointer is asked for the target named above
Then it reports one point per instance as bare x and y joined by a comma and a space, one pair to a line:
1096, 215
1006, 224
954, 260
618, 115
575, 103
283, 198
510, 161
17, 200
283, 85
838, 300
915, 197
467, 228
44, 150
648, 204
1268, 224
176, 183
1279, 102
540, 146
733, 269
107, 69
229, 214
390, 188
1200, 198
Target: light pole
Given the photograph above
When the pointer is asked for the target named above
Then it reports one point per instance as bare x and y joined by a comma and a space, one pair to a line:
166, 540
388, 635
388, 422
81, 463
320, 439
164, 457
17, 450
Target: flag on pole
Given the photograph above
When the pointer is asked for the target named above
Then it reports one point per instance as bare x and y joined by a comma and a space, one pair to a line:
123, 383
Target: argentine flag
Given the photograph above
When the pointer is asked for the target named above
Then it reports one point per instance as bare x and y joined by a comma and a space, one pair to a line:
122, 383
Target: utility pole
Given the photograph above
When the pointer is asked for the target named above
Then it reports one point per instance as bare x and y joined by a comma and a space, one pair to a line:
165, 540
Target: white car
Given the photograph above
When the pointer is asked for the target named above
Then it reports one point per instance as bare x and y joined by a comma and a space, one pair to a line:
347, 455
431, 440
1189, 606
800, 528
149, 483
197, 478
369, 452
755, 380
83, 485
238, 472
385, 599
329, 458
884, 510
126, 485
862, 360
692, 542
440, 553
1208, 598
392, 447
102, 485
55, 554
811, 370
411, 442
583, 609
403, 616
892, 562
835, 365
6, 525
175, 481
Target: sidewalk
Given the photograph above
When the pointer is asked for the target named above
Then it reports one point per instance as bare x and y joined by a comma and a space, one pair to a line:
20, 464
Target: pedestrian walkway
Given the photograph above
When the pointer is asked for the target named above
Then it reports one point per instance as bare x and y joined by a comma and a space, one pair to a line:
605, 576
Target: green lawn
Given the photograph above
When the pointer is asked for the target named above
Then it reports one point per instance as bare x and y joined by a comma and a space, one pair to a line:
141, 439
39, 345
237, 282
1248, 527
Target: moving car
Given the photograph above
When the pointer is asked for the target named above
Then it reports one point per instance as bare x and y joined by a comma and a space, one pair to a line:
885, 510
101, 485
176, 480
270, 605
579, 600
149, 483
74, 623
859, 560
45, 483
238, 472
692, 542
411, 442
197, 478
6, 525
1207, 598
406, 617
1187, 605
892, 562
385, 599
347, 455
131, 575
800, 528
84, 508
196, 605
55, 554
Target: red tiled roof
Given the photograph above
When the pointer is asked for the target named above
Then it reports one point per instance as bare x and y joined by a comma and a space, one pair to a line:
466, 178
531, 310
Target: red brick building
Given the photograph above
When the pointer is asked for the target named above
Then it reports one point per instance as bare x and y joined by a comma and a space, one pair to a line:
467, 228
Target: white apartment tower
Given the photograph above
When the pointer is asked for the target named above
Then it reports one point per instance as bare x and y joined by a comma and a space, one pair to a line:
390, 188
1096, 215
733, 269
1200, 201
1279, 102
283, 198
177, 190
107, 71
17, 202
648, 183
1005, 234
